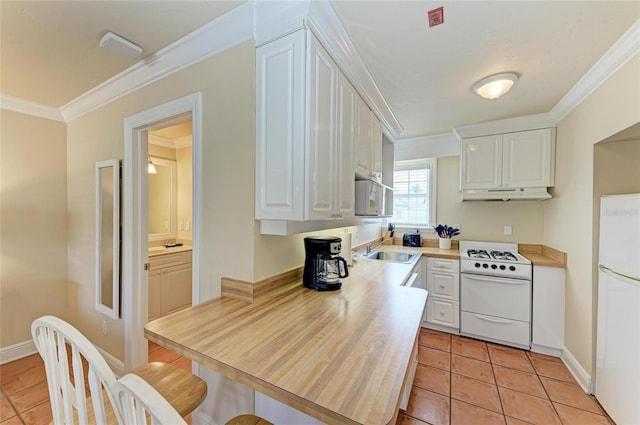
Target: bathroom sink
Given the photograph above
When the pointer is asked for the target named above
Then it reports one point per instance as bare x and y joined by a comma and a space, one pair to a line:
395, 256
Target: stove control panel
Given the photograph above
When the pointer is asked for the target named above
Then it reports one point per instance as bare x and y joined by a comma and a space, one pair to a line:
520, 271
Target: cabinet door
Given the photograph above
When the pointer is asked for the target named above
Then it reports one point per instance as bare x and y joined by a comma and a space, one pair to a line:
364, 167
481, 163
322, 134
376, 147
155, 295
177, 288
280, 128
528, 159
345, 147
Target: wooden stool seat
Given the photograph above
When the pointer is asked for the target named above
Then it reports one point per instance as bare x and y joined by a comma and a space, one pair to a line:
248, 420
183, 390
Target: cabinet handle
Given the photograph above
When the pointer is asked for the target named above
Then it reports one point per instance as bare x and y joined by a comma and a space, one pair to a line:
494, 320
441, 286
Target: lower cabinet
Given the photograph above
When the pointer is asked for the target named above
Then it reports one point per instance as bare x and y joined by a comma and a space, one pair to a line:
443, 304
169, 284
547, 328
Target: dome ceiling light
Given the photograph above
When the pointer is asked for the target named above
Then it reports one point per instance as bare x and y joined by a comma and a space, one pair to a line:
494, 86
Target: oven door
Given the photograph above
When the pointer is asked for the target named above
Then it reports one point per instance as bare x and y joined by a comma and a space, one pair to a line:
496, 296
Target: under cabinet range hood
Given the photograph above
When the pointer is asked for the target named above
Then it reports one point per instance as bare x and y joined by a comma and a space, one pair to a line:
506, 194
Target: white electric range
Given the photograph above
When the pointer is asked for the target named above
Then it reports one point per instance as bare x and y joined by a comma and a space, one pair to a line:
495, 293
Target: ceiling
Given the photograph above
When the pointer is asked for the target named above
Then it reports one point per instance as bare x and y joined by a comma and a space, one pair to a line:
49, 50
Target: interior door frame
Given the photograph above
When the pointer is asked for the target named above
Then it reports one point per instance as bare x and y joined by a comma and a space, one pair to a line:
135, 244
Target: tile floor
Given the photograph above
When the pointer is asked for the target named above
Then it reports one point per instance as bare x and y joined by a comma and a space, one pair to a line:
458, 381
24, 393
462, 381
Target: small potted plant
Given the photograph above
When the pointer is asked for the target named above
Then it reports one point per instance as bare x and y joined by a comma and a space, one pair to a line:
445, 233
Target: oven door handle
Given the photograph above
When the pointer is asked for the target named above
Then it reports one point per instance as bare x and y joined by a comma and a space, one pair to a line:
494, 319
493, 279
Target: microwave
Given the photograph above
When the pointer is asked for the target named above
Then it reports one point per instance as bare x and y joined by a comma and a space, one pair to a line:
370, 198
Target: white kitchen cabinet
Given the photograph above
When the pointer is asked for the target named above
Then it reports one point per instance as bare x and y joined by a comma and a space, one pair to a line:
547, 333
170, 283
369, 144
515, 160
305, 132
443, 304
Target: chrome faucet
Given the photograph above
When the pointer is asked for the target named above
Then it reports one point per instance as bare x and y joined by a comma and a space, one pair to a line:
373, 245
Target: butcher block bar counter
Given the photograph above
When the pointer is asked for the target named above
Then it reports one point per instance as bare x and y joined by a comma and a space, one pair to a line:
340, 356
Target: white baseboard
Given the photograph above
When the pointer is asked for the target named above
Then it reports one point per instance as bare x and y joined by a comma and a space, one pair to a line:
17, 351
576, 369
27, 348
116, 365
543, 349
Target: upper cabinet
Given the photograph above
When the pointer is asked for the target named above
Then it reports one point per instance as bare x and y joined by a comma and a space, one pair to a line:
369, 144
508, 166
306, 129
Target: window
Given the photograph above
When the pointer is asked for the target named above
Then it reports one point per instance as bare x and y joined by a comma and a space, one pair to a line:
414, 194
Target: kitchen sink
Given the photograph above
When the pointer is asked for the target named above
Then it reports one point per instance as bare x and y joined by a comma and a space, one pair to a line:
395, 256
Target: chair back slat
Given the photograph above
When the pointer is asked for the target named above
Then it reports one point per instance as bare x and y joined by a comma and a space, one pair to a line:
141, 404
65, 374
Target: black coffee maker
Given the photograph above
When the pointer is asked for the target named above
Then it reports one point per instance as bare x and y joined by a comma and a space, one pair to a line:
323, 267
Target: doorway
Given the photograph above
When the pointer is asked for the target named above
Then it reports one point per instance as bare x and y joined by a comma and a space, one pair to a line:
135, 240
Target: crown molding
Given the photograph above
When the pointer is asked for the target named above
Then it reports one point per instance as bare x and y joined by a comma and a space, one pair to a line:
225, 32
23, 106
326, 25
625, 49
164, 142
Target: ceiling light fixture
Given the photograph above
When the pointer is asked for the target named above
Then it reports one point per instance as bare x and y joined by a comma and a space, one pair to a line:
494, 86
151, 169
120, 45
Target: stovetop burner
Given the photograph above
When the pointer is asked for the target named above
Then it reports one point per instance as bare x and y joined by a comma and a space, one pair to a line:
478, 253
503, 255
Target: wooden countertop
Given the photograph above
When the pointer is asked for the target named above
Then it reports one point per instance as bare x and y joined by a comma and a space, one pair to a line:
339, 356
542, 255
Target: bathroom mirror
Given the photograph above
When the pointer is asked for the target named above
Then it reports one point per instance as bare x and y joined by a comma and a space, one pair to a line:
163, 187
108, 237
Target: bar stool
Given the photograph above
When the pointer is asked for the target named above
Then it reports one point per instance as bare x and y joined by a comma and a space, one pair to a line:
70, 358
139, 402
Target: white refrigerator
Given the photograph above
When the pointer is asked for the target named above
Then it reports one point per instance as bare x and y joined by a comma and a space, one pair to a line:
618, 339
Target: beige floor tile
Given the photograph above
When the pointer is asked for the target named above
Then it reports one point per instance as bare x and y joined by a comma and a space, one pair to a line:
552, 369
528, 408
433, 379
15, 420
183, 363
30, 377
9, 370
570, 394
39, 415
6, 410
438, 342
472, 368
475, 392
30, 397
465, 414
517, 380
408, 420
429, 407
470, 348
509, 357
514, 421
153, 346
572, 416
435, 358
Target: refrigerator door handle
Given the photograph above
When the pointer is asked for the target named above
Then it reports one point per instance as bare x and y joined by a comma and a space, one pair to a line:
628, 278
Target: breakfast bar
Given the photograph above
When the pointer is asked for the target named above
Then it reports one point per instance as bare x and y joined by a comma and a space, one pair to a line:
341, 356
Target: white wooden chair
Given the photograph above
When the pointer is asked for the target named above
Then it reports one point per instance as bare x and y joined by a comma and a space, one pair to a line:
140, 402
63, 348
69, 356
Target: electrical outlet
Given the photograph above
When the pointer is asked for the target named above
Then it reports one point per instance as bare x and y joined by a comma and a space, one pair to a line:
508, 230
105, 329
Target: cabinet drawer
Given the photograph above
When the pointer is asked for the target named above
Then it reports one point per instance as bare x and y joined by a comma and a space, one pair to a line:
443, 312
443, 285
168, 260
443, 265
495, 328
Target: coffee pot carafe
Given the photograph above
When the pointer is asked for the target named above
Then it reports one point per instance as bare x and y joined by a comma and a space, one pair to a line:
323, 268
